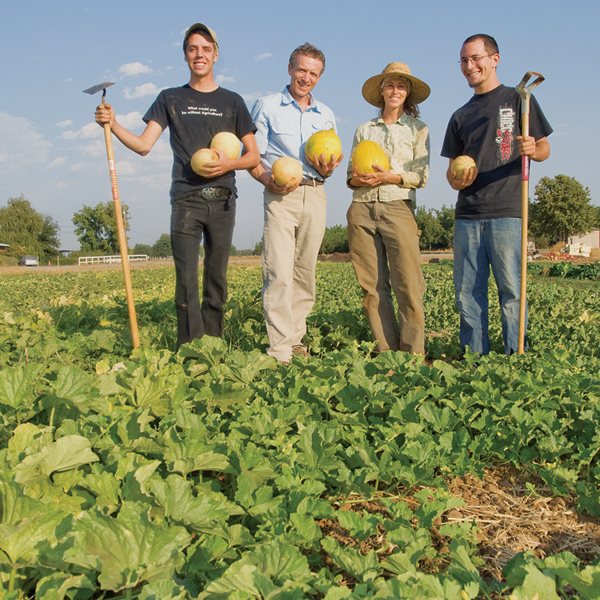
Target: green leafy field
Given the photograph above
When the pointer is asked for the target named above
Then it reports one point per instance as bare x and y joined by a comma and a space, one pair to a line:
219, 473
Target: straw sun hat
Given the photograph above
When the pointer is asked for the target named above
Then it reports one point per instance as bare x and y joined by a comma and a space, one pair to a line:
371, 90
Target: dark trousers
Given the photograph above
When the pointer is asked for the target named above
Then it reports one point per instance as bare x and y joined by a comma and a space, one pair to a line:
192, 220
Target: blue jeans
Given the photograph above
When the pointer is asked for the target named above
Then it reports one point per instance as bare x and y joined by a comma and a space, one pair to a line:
477, 246
192, 219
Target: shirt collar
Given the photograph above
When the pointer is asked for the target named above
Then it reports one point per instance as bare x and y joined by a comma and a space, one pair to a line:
287, 99
402, 120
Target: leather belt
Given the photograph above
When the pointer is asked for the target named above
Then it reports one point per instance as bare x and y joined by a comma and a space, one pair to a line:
311, 182
215, 193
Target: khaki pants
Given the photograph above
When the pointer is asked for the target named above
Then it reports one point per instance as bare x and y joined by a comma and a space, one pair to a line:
384, 248
293, 232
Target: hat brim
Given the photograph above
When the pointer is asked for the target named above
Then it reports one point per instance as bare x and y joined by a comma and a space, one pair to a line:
371, 89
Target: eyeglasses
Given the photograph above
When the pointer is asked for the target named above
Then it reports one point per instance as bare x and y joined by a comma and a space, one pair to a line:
473, 59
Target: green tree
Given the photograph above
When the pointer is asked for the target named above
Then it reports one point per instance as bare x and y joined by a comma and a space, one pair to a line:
162, 246
27, 231
96, 227
335, 239
446, 218
142, 249
258, 247
596, 210
431, 230
561, 208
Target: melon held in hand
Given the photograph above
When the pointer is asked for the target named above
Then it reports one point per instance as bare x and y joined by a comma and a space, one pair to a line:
201, 157
286, 170
366, 154
324, 142
461, 163
228, 143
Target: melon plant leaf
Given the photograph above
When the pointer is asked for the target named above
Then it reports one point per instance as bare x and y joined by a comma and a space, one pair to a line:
66, 453
14, 504
17, 386
586, 583
364, 568
175, 495
280, 562
360, 527
23, 542
168, 590
237, 578
262, 573
536, 582
74, 387
57, 586
127, 549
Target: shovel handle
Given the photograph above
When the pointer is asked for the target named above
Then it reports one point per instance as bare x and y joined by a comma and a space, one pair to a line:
121, 231
525, 93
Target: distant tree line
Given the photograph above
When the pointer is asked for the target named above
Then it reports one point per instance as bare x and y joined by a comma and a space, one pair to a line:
560, 209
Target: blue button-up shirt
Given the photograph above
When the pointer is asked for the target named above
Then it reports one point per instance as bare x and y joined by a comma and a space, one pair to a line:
283, 128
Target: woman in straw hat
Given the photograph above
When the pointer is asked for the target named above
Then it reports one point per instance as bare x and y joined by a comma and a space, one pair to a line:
382, 231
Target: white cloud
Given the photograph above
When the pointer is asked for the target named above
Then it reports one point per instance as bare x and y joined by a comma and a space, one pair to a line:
59, 160
220, 79
64, 124
262, 56
132, 120
250, 99
21, 144
89, 131
134, 68
141, 91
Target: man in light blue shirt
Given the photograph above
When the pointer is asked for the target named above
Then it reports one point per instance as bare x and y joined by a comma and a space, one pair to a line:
294, 214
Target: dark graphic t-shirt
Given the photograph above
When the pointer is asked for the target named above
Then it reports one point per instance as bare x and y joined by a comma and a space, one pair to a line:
193, 119
486, 129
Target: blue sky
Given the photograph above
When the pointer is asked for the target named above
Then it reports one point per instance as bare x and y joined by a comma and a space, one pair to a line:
53, 153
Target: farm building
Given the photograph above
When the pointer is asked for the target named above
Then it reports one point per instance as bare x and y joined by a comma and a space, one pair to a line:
584, 244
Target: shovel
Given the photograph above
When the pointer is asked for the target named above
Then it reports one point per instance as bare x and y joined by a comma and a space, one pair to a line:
525, 93
119, 216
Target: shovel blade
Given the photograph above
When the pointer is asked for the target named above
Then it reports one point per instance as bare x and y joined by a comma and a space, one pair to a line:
98, 88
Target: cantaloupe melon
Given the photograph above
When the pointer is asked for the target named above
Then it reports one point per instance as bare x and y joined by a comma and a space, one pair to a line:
460, 163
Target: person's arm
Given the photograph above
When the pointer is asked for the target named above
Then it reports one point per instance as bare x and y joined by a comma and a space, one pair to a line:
418, 171
374, 179
141, 144
465, 180
267, 180
537, 150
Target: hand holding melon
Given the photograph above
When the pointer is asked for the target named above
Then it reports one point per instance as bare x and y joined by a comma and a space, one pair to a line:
286, 172
460, 165
323, 151
225, 142
366, 154
202, 158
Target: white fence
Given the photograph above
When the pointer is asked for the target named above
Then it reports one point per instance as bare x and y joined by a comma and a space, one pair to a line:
106, 260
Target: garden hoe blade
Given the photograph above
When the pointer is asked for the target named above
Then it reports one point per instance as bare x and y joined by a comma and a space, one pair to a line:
525, 93
118, 216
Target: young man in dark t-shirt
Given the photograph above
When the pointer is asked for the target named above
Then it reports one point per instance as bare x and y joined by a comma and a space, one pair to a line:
203, 206
488, 211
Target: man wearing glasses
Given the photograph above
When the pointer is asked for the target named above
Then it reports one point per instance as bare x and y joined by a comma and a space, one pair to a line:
488, 210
